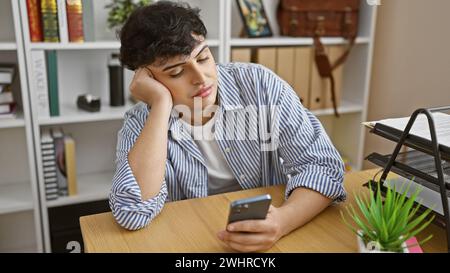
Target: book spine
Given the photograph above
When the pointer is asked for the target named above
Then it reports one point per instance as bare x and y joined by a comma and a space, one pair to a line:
58, 138
88, 20
34, 20
39, 71
62, 21
49, 166
50, 26
71, 167
52, 69
302, 73
241, 55
75, 20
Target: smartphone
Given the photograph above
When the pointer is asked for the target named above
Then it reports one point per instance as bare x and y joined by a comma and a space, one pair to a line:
249, 208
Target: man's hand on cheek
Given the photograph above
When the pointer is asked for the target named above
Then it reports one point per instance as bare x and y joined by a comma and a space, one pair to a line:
253, 235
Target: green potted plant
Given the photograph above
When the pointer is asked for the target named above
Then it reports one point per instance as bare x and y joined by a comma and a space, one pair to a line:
120, 10
385, 224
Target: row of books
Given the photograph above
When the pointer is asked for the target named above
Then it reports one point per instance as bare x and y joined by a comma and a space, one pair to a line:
60, 20
7, 102
59, 163
296, 66
44, 67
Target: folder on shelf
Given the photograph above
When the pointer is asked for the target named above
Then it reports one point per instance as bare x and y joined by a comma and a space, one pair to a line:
267, 56
320, 91
338, 74
302, 73
241, 55
285, 64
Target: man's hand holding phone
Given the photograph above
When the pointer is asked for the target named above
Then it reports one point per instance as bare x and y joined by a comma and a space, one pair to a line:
247, 229
146, 88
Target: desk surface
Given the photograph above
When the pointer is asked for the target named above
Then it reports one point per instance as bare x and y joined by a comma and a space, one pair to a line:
192, 225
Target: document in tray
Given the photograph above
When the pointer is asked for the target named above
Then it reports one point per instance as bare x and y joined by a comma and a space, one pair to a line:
420, 127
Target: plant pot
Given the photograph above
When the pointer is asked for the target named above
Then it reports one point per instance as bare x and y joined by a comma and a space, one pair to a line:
362, 248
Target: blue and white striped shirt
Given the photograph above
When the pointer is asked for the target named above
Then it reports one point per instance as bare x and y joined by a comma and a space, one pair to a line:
297, 152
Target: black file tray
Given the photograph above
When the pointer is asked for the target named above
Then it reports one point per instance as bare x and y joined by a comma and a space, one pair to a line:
433, 148
423, 172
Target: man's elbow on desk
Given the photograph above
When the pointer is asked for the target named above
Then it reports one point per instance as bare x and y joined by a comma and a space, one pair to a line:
132, 220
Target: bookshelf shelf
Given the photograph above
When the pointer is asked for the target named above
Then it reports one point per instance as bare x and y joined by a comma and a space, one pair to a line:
18, 121
71, 114
101, 45
290, 41
8, 46
346, 107
15, 198
20, 218
91, 187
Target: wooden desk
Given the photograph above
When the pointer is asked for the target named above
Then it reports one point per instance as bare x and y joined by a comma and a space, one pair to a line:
192, 225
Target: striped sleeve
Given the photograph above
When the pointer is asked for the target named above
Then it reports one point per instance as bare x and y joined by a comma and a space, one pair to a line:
125, 201
309, 157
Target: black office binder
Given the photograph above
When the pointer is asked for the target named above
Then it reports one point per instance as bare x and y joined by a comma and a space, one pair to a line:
428, 162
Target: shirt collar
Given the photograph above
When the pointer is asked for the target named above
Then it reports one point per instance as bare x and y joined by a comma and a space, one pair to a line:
228, 91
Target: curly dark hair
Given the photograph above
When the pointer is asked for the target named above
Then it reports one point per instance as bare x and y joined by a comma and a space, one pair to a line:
159, 31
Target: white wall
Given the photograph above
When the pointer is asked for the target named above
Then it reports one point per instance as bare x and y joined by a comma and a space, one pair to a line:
411, 67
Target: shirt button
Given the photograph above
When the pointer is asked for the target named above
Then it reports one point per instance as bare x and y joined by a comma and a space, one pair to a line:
242, 176
227, 150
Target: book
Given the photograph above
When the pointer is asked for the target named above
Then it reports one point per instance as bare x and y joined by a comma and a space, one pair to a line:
50, 25
52, 78
6, 96
58, 138
7, 108
75, 20
88, 20
49, 165
39, 81
71, 165
62, 21
6, 73
34, 20
241, 55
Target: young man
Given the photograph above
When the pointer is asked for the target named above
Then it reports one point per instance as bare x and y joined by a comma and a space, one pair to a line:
204, 128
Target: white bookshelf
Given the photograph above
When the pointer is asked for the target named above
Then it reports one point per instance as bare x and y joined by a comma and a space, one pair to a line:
91, 187
107, 45
346, 107
20, 221
8, 46
82, 68
290, 41
15, 122
69, 113
15, 197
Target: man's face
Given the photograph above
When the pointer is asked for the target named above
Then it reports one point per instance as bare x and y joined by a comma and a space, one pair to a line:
189, 77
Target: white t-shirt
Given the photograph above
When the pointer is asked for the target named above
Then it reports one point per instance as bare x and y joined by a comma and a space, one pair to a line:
220, 176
